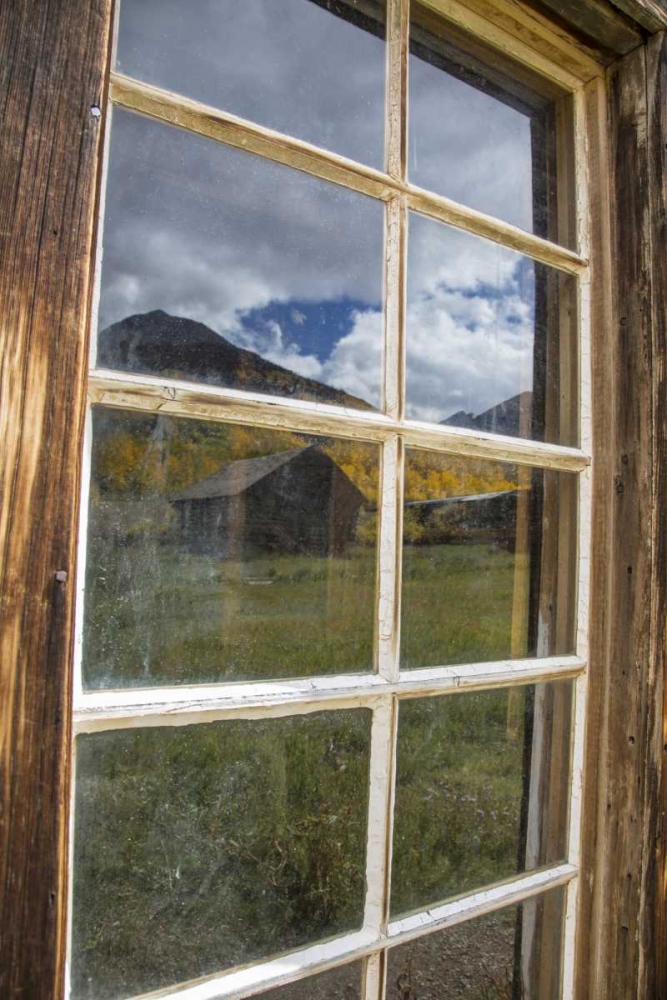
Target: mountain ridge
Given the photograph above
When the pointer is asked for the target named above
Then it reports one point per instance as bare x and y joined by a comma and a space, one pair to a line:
506, 417
157, 343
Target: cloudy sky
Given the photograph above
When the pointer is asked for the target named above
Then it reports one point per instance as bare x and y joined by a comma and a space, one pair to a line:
288, 265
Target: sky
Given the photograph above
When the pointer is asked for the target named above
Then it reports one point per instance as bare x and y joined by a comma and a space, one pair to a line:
291, 266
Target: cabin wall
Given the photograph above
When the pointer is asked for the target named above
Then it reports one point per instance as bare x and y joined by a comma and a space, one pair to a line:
53, 59
307, 506
622, 889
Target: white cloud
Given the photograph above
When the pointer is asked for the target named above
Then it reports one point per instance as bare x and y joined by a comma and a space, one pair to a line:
463, 353
470, 322
355, 362
288, 355
210, 233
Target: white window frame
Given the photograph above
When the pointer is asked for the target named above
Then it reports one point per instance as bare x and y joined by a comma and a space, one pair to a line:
381, 691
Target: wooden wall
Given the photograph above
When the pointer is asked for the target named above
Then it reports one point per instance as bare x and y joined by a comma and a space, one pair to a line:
52, 66
622, 900
611, 28
656, 881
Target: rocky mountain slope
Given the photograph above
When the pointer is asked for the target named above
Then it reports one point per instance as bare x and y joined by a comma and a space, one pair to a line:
507, 417
156, 343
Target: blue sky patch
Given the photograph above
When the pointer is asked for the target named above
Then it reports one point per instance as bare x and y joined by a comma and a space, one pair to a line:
315, 327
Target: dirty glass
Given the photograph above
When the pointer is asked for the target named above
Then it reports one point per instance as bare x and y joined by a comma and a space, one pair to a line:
491, 337
224, 268
481, 790
223, 552
512, 953
338, 984
198, 848
488, 561
314, 69
483, 130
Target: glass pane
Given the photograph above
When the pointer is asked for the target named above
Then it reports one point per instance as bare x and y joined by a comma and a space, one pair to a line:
224, 268
223, 552
488, 561
491, 337
339, 984
314, 70
202, 847
514, 953
481, 791
485, 131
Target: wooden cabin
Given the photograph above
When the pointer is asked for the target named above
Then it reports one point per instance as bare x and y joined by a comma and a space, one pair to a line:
480, 517
296, 501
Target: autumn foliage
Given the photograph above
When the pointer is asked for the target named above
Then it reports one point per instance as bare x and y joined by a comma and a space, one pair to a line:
136, 455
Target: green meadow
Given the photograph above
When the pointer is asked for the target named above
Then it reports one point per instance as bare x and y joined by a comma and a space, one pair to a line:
247, 838
158, 614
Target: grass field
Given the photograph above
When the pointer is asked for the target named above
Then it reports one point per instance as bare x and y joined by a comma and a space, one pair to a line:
248, 838
459, 790
157, 614
202, 847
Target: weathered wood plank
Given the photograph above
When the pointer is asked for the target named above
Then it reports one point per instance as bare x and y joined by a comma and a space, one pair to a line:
650, 14
602, 409
629, 691
654, 928
203, 402
617, 954
598, 21
52, 61
528, 36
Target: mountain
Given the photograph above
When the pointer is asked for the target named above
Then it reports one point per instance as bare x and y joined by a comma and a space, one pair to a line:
156, 343
503, 418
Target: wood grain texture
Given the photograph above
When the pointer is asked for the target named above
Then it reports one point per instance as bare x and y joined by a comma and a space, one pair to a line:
604, 26
603, 402
617, 953
654, 929
526, 34
629, 690
650, 14
52, 66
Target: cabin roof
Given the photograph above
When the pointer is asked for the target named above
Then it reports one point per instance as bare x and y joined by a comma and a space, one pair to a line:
236, 477
468, 498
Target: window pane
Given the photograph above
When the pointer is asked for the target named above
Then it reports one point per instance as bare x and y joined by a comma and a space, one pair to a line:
485, 131
223, 552
224, 268
488, 561
491, 337
339, 984
312, 69
511, 953
202, 847
481, 790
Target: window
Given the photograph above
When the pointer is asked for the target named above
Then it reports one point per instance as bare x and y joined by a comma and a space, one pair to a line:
330, 677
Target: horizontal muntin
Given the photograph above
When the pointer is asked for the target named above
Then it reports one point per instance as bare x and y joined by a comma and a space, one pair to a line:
231, 130
176, 398
238, 984
253, 979
96, 711
497, 897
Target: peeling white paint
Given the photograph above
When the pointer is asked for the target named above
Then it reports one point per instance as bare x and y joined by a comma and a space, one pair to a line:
184, 399
181, 706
